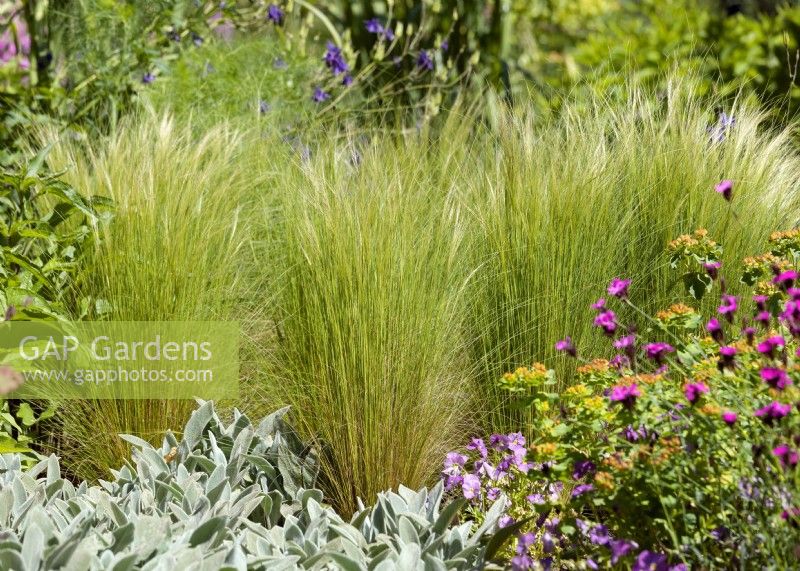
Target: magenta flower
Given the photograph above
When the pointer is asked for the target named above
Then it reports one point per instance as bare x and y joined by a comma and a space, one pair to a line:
727, 356
750, 334
715, 330
625, 394
626, 343
729, 417
567, 346
693, 391
600, 304
725, 188
770, 345
775, 378
773, 411
619, 288
657, 351
606, 320
712, 268
728, 307
763, 317
785, 280
761, 301
786, 455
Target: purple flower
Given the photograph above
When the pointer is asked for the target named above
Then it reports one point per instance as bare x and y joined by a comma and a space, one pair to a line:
650, 561
444, 46
619, 362
279, 63
727, 356
263, 106
769, 345
763, 317
694, 390
773, 411
606, 320
347, 80
373, 26
619, 288
454, 459
197, 40
492, 494
275, 14
715, 329
786, 455
625, 394
582, 467
498, 441
567, 346
600, 304
505, 521
521, 562
479, 446
728, 307
620, 548
775, 378
725, 188
626, 343
599, 535
471, 486
729, 417
657, 351
750, 334
581, 489
761, 301
712, 268
320, 95
148, 78
536, 499
786, 279
334, 59
424, 61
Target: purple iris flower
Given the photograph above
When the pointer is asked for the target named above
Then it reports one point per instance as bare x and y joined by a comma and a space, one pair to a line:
775, 378
275, 14
424, 61
725, 188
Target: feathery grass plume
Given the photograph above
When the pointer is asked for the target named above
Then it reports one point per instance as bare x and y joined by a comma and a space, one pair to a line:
563, 207
171, 252
369, 260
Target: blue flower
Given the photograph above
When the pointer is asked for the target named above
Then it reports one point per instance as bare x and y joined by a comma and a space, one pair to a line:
148, 78
275, 14
335, 60
320, 95
424, 61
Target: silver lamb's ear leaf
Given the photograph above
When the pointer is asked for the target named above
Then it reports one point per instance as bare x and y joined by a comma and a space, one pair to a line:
346, 563
135, 440
197, 423
11, 559
448, 514
32, 548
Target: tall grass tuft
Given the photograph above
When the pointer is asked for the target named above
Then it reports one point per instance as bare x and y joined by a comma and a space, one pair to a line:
171, 252
561, 209
370, 290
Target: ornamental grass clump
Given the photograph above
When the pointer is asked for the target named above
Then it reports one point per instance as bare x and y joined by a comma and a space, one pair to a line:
560, 207
170, 253
680, 452
367, 264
